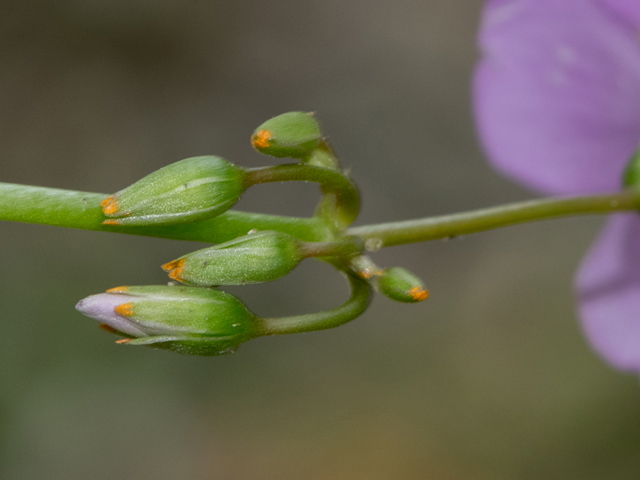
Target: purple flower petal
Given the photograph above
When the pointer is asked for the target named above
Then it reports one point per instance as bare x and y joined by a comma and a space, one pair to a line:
557, 94
628, 10
101, 307
608, 285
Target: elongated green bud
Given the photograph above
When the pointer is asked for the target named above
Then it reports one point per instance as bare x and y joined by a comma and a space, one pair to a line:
401, 285
191, 320
193, 189
293, 134
253, 258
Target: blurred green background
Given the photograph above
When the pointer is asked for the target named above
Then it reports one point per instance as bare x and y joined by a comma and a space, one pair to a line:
491, 378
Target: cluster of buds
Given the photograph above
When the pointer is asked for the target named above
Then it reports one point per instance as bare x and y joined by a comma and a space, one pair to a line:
198, 318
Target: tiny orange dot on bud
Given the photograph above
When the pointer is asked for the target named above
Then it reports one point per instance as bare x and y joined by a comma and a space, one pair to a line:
118, 290
126, 309
262, 139
111, 222
419, 294
173, 265
122, 341
110, 205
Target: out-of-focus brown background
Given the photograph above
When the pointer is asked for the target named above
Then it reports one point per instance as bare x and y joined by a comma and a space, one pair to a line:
489, 379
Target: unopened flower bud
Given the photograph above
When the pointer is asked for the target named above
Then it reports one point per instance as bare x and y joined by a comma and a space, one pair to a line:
293, 134
401, 285
257, 257
191, 320
193, 189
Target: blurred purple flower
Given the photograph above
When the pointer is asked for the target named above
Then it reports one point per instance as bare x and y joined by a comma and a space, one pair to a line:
557, 102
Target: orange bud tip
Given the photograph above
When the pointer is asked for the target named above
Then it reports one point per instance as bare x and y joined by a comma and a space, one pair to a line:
262, 139
110, 205
126, 309
118, 290
123, 341
177, 274
419, 294
107, 328
111, 222
167, 267
367, 274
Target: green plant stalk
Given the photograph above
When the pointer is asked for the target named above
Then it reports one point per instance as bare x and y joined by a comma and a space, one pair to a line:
446, 226
73, 209
361, 293
347, 196
345, 248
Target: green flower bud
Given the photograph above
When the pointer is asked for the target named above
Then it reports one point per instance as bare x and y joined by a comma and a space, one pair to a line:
191, 320
186, 191
257, 257
293, 134
401, 285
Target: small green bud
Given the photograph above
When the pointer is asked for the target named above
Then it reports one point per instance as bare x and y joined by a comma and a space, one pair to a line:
191, 320
257, 257
193, 189
293, 134
401, 285
631, 176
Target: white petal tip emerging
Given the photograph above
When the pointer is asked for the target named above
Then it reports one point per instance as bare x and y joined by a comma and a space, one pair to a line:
101, 307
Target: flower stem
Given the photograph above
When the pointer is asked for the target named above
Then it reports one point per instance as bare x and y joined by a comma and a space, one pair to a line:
444, 226
348, 247
72, 209
347, 196
354, 307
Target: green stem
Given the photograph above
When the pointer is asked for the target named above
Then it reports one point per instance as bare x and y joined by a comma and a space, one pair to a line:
348, 247
354, 307
421, 230
347, 196
72, 209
